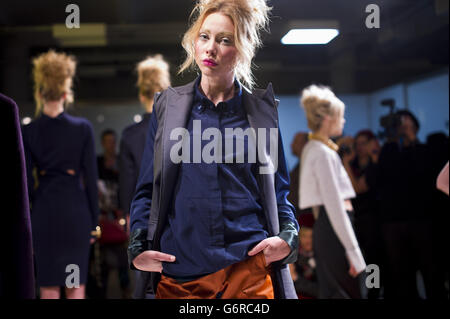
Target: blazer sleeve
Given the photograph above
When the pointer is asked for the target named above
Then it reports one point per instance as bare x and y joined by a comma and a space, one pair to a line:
288, 223
142, 200
90, 174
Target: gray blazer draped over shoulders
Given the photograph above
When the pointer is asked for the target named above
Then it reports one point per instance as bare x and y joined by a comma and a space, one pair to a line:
172, 110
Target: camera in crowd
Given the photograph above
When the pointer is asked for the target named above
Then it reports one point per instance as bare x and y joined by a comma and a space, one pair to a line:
390, 122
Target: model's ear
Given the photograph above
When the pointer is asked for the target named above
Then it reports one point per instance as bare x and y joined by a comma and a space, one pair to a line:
326, 120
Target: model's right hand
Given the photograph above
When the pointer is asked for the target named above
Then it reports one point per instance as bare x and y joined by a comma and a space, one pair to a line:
151, 260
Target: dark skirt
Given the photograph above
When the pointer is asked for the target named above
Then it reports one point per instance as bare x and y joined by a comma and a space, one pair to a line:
61, 226
332, 265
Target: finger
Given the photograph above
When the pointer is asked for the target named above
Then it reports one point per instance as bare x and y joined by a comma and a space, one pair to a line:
258, 248
162, 256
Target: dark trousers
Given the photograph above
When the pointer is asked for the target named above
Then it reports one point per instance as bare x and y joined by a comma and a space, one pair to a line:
368, 232
332, 265
408, 247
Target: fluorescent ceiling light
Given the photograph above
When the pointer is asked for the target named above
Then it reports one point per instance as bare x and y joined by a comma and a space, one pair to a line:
89, 34
309, 36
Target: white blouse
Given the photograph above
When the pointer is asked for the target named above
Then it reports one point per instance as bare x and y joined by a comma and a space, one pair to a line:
324, 181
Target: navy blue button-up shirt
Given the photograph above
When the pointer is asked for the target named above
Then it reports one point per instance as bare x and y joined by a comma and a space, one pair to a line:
216, 217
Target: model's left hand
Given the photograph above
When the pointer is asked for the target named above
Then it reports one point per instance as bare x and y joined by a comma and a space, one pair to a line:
274, 249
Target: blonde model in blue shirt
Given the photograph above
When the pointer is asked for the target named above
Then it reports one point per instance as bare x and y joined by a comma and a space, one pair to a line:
221, 43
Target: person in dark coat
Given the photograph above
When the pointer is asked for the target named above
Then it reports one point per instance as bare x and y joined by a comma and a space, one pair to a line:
63, 187
16, 269
153, 76
404, 186
360, 164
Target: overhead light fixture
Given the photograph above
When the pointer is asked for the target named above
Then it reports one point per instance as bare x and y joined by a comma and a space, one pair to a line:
315, 31
89, 34
309, 36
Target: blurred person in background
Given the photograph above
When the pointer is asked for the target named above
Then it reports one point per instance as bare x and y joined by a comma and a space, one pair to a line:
404, 186
304, 269
62, 178
360, 163
153, 77
326, 187
438, 146
114, 237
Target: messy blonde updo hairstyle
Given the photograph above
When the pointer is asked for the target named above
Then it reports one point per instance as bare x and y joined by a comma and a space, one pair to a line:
153, 76
52, 74
249, 18
318, 101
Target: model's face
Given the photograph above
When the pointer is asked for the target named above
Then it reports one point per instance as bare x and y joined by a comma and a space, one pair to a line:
337, 123
215, 51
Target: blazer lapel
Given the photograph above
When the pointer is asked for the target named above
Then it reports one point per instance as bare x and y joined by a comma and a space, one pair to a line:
177, 112
261, 113
260, 108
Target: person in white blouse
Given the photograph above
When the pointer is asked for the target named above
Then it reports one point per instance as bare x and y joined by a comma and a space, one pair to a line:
326, 187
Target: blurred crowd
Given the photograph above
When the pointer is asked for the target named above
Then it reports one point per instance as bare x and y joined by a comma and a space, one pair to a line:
400, 217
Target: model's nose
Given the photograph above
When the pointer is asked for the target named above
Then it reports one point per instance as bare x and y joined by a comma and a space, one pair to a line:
211, 47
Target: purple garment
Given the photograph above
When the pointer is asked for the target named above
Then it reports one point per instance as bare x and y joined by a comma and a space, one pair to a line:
16, 268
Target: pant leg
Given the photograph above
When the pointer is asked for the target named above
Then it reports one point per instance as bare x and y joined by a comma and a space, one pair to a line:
249, 279
368, 233
400, 269
332, 264
420, 233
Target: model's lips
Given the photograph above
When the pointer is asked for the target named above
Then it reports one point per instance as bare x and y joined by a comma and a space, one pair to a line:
209, 62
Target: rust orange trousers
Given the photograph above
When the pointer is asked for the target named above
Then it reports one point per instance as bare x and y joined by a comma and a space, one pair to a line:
248, 279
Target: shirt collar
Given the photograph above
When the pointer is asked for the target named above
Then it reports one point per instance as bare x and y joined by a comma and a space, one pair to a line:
232, 105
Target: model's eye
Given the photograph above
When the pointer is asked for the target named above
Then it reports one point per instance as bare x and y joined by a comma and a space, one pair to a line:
203, 36
226, 41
